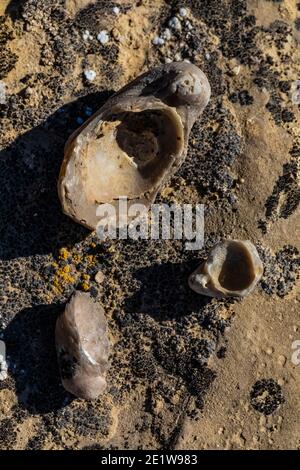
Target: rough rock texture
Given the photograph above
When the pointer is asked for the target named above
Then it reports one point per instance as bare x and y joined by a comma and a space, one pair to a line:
170, 344
82, 346
233, 269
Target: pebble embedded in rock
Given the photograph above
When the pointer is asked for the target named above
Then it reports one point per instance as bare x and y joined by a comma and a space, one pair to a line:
82, 346
174, 23
103, 37
99, 278
90, 75
157, 41
281, 360
182, 12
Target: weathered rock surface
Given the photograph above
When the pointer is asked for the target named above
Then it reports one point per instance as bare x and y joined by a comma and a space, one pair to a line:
82, 346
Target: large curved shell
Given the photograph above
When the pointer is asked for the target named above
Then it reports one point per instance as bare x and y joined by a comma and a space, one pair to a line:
233, 269
134, 143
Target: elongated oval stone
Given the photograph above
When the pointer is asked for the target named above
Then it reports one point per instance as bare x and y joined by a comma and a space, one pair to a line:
82, 346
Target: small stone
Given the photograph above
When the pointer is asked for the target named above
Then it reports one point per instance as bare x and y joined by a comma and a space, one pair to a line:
99, 278
182, 12
3, 375
295, 87
157, 41
87, 35
269, 351
189, 25
296, 97
116, 34
281, 360
116, 10
174, 23
90, 75
166, 34
28, 91
236, 70
103, 37
82, 346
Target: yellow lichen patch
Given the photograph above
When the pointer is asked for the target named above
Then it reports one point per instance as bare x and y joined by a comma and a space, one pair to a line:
63, 254
91, 259
85, 286
62, 278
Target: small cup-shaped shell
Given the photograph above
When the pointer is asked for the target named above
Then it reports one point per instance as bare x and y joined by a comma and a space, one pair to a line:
233, 269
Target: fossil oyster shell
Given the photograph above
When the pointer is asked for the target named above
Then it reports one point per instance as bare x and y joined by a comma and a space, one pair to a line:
233, 268
134, 143
82, 346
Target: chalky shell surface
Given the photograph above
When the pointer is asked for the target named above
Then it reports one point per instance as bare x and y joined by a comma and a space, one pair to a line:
134, 143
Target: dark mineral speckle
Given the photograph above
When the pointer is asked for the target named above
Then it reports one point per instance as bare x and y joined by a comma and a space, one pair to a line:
266, 396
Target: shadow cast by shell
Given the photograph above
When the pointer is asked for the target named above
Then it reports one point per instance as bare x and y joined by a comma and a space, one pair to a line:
32, 359
31, 218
